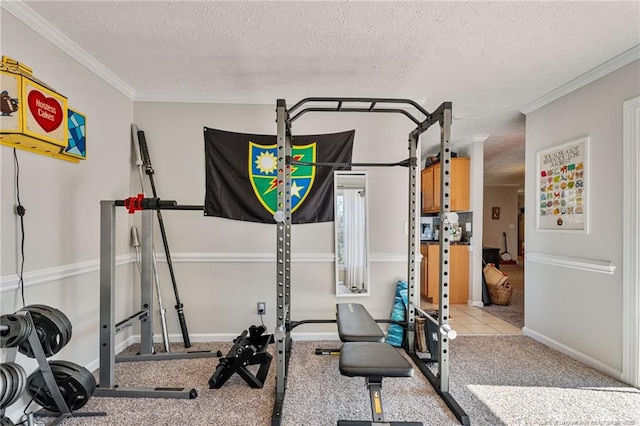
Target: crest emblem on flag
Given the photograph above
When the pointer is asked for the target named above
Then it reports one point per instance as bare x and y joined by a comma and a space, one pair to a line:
263, 174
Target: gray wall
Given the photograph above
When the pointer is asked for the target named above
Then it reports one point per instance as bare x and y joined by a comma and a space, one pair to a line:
220, 295
577, 310
62, 200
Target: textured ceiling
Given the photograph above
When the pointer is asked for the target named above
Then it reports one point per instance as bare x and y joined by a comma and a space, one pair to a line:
488, 58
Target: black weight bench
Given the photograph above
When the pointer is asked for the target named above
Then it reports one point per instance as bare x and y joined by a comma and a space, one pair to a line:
364, 354
355, 324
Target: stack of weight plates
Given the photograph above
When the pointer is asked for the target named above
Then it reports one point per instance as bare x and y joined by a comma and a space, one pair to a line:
14, 381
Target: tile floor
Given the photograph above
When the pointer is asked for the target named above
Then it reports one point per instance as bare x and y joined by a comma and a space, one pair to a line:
469, 320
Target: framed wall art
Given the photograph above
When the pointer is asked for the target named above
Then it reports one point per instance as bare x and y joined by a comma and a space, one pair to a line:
495, 213
562, 199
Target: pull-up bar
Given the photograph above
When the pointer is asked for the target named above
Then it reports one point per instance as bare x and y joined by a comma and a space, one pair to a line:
372, 107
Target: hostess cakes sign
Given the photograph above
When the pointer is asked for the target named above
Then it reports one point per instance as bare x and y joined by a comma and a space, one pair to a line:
33, 115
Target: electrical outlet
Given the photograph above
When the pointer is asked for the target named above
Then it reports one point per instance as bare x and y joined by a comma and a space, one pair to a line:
262, 308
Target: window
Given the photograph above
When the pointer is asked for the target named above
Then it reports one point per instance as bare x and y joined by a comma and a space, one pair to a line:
351, 233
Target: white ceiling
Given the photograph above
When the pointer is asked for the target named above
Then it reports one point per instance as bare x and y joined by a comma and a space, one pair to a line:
491, 59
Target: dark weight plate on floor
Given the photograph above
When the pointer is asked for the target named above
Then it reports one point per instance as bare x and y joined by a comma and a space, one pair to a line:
18, 330
76, 384
51, 330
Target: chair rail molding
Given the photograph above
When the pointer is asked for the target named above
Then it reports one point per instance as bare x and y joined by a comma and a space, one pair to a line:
584, 264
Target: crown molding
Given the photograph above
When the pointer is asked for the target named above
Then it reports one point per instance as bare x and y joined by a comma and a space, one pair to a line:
202, 98
37, 23
610, 66
465, 142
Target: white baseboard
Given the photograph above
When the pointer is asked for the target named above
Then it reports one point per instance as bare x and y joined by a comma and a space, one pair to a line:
591, 362
475, 303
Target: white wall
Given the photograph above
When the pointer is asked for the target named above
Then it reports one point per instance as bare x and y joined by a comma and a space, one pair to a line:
221, 297
581, 311
62, 198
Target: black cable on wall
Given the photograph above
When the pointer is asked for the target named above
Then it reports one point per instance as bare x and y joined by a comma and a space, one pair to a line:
20, 211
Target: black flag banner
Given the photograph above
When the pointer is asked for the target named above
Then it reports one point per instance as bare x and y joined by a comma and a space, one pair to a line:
242, 170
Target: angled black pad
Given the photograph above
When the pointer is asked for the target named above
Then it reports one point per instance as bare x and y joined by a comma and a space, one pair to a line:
355, 324
373, 359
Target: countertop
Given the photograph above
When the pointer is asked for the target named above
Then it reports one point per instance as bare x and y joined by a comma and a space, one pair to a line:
429, 242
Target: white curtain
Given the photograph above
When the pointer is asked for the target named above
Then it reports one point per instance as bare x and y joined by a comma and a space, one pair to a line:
355, 244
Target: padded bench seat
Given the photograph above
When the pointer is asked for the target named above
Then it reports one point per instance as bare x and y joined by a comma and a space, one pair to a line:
355, 324
373, 359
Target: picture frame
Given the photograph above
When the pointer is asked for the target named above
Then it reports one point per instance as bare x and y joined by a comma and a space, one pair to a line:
495, 213
77, 135
562, 187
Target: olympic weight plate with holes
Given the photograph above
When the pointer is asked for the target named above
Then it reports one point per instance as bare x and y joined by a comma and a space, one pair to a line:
18, 331
53, 332
18, 382
75, 382
60, 315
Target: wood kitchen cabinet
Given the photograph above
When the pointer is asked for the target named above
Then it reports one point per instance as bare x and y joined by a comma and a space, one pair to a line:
458, 272
459, 194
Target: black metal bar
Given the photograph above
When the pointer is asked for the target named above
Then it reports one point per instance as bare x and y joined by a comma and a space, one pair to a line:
362, 100
183, 207
453, 405
373, 104
179, 306
157, 204
403, 163
328, 109
339, 106
294, 324
128, 321
149, 203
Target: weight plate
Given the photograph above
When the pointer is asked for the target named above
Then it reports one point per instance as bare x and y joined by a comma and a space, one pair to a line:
19, 376
57, 317
67, 327
75, 386
82, 374
12, 386
6, 383
18, 331
50, 330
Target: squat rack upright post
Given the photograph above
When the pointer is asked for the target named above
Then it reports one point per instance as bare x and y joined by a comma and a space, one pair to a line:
443, 116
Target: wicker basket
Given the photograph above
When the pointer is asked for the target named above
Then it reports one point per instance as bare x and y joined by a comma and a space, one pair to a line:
500, 294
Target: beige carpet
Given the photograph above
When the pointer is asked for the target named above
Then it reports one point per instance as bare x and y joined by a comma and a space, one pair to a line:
512, 313
498, 380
